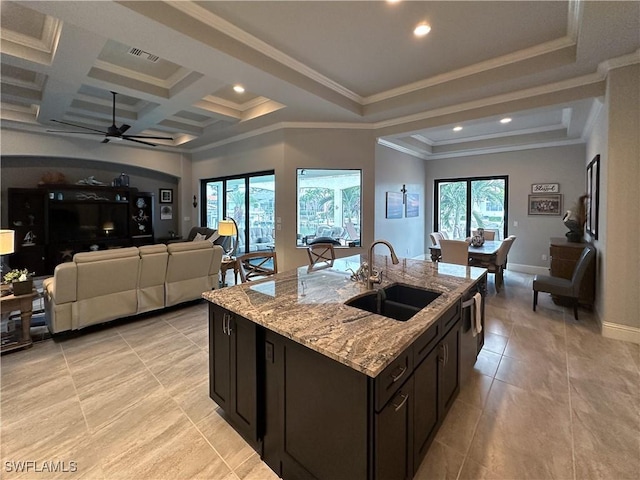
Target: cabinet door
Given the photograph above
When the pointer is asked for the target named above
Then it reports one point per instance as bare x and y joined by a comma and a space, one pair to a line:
219, 357
449, 375
27, 218
243, 388
392, 433
425, 405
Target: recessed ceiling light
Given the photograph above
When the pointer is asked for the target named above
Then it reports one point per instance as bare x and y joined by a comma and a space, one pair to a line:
422, 29
457, 129
505, 120
238, 88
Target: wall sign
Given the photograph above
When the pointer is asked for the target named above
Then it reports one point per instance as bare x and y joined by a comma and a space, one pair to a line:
545, 188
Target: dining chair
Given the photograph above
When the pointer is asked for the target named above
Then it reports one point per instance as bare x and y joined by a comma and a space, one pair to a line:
454, 251
257, 265
498, 264
321, 255
444, 235
563, 287
487, 234
436, 237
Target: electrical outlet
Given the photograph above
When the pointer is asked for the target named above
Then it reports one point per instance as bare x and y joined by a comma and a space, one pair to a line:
515, 223
544, 257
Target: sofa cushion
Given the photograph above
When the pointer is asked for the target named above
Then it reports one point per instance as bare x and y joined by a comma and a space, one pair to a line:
330, 240
199, 237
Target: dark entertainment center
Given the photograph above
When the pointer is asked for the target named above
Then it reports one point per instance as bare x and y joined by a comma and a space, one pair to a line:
53, 222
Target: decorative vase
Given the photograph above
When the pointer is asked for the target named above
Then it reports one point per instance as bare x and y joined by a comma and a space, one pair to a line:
22, 288
478, 239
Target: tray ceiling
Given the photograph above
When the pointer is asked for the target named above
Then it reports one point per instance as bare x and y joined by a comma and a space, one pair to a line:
342, 64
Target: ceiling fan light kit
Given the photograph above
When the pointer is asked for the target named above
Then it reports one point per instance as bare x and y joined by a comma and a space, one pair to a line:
113, 132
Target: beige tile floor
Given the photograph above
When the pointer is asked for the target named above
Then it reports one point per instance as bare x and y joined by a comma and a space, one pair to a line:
548, 398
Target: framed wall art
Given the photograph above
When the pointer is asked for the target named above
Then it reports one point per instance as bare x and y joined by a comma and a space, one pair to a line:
166, 212
412, 206
166, 195
394, 205
550, 204
593, 196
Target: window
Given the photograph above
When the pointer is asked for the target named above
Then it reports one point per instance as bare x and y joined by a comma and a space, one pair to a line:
464, 204
328, 205
250, 201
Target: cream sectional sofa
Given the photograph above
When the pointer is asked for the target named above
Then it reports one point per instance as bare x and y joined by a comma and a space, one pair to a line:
100, 286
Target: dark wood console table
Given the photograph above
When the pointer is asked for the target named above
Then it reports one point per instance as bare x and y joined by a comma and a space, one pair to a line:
24, 303
564, 256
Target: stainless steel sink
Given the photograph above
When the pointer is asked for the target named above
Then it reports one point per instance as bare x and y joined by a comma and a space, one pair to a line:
397, 301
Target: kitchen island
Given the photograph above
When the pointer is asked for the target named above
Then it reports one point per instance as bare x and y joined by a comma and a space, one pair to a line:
326, 390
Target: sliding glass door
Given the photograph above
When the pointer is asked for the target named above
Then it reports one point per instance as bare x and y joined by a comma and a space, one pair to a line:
465, 204
250, 201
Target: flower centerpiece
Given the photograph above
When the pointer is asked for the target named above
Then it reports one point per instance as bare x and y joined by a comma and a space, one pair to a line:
20, 280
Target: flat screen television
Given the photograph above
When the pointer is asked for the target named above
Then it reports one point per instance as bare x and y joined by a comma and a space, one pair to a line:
86, 221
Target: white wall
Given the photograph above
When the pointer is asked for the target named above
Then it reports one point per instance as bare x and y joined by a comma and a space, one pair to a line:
597, 144
393, 170
285, 152
27, 156
621, 211
563, 165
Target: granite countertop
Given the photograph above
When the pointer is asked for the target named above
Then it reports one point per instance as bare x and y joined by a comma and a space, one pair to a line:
308, 308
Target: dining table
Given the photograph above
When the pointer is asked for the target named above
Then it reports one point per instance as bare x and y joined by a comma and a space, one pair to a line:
481, 254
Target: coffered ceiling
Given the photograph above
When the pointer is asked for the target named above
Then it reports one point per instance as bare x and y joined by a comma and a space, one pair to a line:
316, 64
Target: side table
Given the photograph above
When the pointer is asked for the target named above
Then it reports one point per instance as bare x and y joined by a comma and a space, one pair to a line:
23, 303
226, 265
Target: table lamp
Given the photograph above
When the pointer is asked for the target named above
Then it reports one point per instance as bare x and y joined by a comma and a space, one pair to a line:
6, 247
228, 228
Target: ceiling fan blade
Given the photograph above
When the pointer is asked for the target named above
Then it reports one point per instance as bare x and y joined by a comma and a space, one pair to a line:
148, 137
106, 140
69, 131
78, 126
139, 141
123, 128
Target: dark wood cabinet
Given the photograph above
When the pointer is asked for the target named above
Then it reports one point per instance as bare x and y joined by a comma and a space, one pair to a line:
564, 256
393, 436
233, 370
142, 218
449, 369
325, 420
27, 217
53, 222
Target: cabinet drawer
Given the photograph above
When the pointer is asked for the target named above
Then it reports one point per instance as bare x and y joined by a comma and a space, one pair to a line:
392, 377
425, 342
450, 317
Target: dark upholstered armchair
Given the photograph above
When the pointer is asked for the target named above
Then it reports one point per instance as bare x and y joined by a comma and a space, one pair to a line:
563, 287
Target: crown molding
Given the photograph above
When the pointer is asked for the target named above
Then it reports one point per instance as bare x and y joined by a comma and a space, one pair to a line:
400, 148
167, 83
491, 136
594, 112
584, 80
619, 62
212, 20
474, 69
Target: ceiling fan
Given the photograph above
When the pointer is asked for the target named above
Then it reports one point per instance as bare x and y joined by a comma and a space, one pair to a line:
113, 131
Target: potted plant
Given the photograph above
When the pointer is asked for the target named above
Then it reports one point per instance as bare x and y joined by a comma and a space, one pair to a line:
20, 280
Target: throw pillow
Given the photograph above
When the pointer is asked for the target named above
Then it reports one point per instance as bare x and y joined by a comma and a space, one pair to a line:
214, 236
199, 237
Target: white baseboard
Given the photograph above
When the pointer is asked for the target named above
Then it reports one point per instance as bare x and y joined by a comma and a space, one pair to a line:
621, 332
530, 269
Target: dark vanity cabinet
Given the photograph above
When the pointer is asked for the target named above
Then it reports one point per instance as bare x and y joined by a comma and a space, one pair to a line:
310, 416
233, 370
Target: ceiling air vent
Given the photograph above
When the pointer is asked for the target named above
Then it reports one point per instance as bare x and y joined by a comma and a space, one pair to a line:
150, 57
